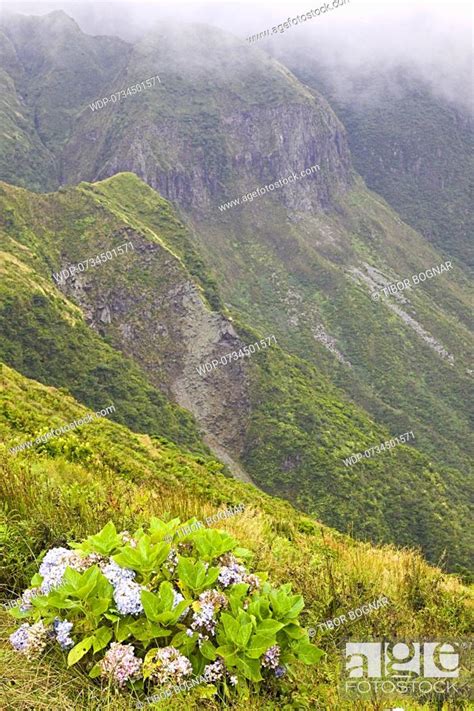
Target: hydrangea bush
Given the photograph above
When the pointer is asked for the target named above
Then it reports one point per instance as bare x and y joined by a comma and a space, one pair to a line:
146, 613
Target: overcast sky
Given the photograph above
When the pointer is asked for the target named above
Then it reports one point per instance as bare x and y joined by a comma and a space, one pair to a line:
132, 15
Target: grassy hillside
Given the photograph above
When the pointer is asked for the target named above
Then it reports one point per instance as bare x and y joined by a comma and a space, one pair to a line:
74, 483
38, 49
24, 159
291, 260
276, 414
312, 286
288, 425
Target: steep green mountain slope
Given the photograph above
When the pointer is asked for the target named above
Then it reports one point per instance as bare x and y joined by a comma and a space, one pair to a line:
300, 262
411, 146
74, 483
45, 335
273, 416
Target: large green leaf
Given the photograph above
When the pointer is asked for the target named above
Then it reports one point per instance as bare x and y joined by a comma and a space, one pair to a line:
185, 644
236, 595
87, 583
55, 600
71, 578
250, 668
211, 543
260, 607
151, 605
285, 605
170, 617
145, 558
194, 574
159, 606
110, 616
228, 653
124, 628
231, 627
297, 604
243, 634
78, 651
259, 644
95, 671
208, 650
104, 542
307, 652
145, 631
294, 631
269, 626
99, 605
159, 529
102, 637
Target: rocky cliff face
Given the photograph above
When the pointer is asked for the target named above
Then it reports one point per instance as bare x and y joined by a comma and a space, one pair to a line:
223, 120
410, 144
155, 314
261, 145
204, 136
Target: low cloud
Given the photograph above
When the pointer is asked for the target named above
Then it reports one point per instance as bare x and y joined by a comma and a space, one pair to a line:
431, 39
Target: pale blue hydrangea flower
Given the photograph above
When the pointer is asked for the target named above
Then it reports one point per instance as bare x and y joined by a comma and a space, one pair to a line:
127, 593
62, 629
271, 657
19, 638
127, 596
177, 598
230, 571
214, 671
115, 574
53, 567
279, 672
204, 618
173, 666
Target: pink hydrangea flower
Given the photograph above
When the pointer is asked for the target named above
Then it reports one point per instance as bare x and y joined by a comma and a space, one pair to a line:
120, 663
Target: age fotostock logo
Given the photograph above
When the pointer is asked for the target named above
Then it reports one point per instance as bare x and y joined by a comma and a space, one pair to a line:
402, 667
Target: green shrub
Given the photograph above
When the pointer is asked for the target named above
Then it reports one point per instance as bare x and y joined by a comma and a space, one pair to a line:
164, 609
